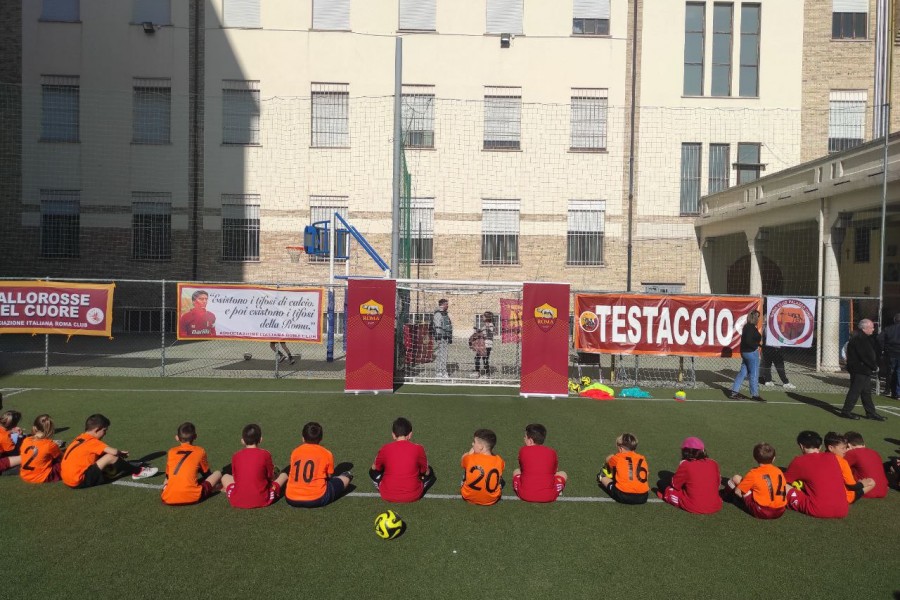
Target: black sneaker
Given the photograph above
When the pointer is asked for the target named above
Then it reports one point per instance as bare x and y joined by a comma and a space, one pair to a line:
876, 417
758, 399
735, 396
292, 360
849, 415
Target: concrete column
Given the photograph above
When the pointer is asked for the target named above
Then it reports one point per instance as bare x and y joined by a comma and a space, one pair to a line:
833, 238
755, 276
704, 287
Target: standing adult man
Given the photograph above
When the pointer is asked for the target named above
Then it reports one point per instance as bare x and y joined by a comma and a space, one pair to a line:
443, 336
889, 339
862, 364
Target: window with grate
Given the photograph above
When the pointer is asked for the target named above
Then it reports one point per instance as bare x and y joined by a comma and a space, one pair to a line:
240, 112
846, 119
588, 119
417, 226
417, 116
152, 111
584, 235
500, 232
690, 178
240, 227
502, 118
330, 115
590, 17
60, 223
862, 244
719, 168
151, 226
59, 108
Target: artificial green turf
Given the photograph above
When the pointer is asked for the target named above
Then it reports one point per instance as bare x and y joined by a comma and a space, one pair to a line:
115, 541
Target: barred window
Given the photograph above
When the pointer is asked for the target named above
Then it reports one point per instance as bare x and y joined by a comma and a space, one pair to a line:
158, 12
68, 11
589, 119
586, 221
152, 111
718, 167
240, 227
502, 118
417, 231
590, 17
60, 223
690, 178
417, 15
862, 244
417, 116
330, 115
849, 19
846, 119
151, 225
59, 108
322, 208
500, 232
748, 165
241, 13
240, 112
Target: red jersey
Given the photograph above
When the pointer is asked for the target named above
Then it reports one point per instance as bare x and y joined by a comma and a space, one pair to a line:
768, 486
481, 478
197, 322
311, 466
184, 464
698, 482
630, 472
253, 473
539, 465
403, 463
81, 454
865, 462
823, 484
39, 455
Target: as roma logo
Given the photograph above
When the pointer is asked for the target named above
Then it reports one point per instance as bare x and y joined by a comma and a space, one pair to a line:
370, 312
588, 322
792, 322
545, 316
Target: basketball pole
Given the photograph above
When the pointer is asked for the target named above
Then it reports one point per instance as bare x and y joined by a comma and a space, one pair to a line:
395, 201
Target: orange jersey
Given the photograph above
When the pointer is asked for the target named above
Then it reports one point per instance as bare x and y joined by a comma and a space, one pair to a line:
849, 480
6, 443
311, 466
767, 483
38, 457
81, 454
630, 472
184, 464
481, 478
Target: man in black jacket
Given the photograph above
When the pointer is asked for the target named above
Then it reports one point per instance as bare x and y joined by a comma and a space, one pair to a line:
890, 343
862, 364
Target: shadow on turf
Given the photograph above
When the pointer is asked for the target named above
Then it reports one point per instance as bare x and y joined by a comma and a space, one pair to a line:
814, 402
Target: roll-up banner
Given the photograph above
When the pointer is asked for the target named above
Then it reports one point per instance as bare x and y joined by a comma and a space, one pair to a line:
545, 339
371, 313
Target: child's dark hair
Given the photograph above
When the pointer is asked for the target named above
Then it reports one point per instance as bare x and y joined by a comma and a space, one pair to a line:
251, 434
43, 426
692, 454
764, 453
312, 433
809, 439
401, 427
10, 419
627, 441
854, 438
187, 433
536, 432
488, 437
833, 438
96, 421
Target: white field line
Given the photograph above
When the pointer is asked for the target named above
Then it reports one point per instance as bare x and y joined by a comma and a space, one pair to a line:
7, 392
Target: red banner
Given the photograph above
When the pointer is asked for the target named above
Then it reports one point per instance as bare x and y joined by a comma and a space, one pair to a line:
49, 307
673, 325
545, 339
371, 312
510, 321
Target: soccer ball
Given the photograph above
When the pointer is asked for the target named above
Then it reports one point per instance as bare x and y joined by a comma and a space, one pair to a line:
247, 356
586, 381
389, 525
680, 395
574, 388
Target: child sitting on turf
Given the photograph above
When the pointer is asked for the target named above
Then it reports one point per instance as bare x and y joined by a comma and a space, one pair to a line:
401, 471
695, 486
87, 457
537, 478
41, 452
312, 484
837, 445
252, 483
10, 440
624, 475
482, 482
188, 478
762, 490
817, 484
866, 463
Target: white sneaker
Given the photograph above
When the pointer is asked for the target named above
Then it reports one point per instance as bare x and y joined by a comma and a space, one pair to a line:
789, 386
770, 384
145, 472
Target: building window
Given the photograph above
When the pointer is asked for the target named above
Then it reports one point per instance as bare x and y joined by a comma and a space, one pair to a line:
748, 165
158, 12
694, 47
846, 119
723, 20
330, 115
862, 244
584, 235
690, 178
588, 119
749, 75
331, 15
322, 208
241, 13
590, 17
504, 16
240, 227
60, 223
849, 19
663, 288
417, 226
67, 11
240, 112
718, 167
500, 232
151, 226
502, 118
417, 116
152, 111
417, 15
59, 108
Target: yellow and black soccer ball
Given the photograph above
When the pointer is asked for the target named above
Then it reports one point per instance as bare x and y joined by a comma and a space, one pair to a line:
389, 525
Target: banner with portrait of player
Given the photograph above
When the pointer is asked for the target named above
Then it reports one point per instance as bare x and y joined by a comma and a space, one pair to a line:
371, 316
249, 312
790, 322
56, 308
545, 340
661, 324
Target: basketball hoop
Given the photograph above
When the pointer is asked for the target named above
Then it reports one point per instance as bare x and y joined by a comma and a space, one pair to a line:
294, 252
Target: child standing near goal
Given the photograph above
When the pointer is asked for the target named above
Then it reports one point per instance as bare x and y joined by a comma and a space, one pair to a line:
311, 483
252, 483
762, 491
482, 482
41, 453
625, 474
695, 486
537, 478
188, 478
